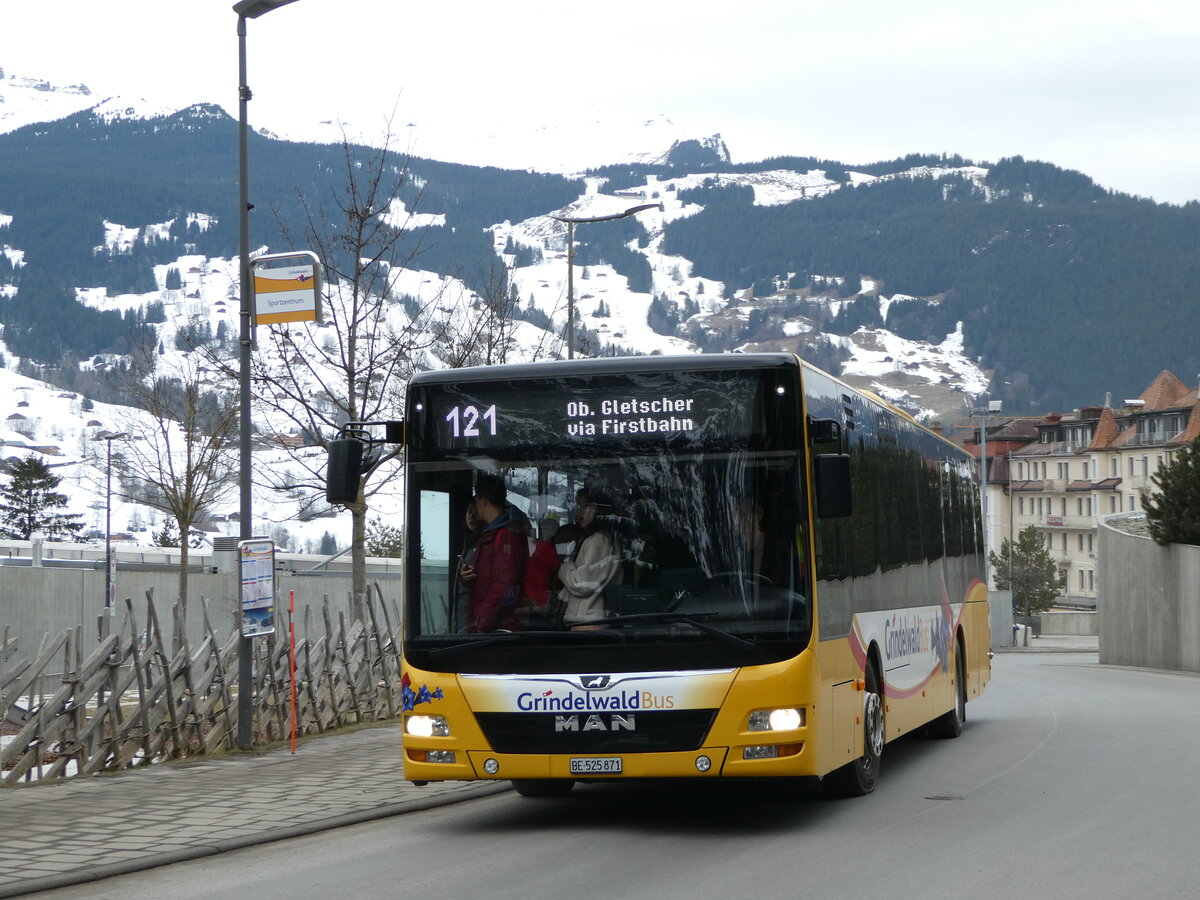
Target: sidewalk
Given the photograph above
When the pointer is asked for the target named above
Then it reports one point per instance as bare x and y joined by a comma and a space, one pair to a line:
1058, 643
80, 830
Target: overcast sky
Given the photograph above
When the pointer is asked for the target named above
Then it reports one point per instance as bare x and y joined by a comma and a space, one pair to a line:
1108, 87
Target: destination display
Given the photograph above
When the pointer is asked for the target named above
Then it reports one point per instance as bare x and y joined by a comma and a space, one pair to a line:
670, 406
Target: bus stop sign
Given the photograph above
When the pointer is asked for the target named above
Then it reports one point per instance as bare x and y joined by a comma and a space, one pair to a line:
287, 288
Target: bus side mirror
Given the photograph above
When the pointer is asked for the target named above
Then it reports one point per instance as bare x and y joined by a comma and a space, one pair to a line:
344, 472
824, 431
831, 472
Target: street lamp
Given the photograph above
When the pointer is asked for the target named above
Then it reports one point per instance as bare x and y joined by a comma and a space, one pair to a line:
109, 600
985, 413
571, 223
245, 9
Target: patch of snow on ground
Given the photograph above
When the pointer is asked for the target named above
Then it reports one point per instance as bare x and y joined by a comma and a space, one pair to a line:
975, 174
543, 286
903, 400
885, 303
114, 108
876, 353
118, 238
773, 188
201, 220
399, 217
159, 231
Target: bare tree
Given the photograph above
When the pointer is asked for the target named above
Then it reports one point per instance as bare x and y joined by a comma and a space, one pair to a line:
483, 332
177, 455
312, 380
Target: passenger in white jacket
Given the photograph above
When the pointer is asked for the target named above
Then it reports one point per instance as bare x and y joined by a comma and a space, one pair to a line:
594, 565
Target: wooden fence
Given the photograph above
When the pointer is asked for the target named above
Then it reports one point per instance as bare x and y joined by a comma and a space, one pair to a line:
143, 695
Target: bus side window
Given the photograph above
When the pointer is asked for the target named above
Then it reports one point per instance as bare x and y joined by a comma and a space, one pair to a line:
833, 485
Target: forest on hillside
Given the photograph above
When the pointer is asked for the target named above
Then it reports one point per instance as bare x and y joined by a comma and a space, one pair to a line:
1065, 290
61, 181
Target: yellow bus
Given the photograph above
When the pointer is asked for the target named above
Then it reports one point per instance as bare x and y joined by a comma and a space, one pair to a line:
792, 575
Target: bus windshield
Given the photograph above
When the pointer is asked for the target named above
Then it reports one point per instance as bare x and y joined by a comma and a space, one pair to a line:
647, 519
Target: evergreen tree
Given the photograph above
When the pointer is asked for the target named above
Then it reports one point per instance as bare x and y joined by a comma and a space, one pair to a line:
29, 504
328, 544
1026, 569
1173, 514
764, 287
168, 536
661, 316
384, 539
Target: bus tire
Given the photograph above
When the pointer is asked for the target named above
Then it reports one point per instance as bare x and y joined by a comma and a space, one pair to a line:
859, 778
950, 724
543, 787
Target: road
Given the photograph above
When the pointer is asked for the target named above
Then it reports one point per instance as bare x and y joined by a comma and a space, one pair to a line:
1071, 780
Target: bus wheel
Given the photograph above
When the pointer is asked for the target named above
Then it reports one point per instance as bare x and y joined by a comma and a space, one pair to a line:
860, 777
950, 724
543, 787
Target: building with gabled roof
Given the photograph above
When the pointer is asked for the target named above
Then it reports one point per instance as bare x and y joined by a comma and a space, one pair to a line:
1093, 462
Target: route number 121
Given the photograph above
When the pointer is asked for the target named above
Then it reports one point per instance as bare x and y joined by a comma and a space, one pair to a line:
465, 421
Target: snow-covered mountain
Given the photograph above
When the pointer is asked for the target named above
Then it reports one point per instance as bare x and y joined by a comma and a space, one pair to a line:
928, 378
24, 101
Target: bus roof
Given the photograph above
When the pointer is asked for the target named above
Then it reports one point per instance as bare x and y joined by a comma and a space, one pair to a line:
608, 364
675, 363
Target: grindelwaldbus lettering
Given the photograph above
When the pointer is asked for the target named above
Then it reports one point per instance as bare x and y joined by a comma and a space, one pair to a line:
573, 701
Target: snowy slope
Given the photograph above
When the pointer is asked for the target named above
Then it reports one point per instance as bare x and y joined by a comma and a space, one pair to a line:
24, 101
927, 379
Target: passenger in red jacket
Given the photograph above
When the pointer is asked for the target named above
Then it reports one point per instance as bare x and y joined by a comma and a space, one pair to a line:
539, 588
501, 555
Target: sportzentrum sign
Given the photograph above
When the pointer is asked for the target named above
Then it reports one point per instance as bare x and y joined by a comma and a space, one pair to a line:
287, 288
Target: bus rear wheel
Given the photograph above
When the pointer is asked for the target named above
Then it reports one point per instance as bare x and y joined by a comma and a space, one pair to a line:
950, 724
543, 787
859, 778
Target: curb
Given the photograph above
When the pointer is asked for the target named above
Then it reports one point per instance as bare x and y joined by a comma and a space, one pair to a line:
1046, 650
152, 861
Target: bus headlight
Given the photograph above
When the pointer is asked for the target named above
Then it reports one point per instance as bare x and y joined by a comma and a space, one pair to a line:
427, 726
787, 719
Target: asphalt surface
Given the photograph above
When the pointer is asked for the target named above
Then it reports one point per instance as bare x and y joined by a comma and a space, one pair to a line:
73, 831
80, 830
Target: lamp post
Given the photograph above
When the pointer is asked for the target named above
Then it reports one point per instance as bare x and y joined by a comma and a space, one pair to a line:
985, 413
571, 223
245, 9
109, 600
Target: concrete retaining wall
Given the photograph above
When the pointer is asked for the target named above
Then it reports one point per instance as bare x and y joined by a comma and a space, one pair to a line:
1000, 617
1148, 601
36, 600
1070, 622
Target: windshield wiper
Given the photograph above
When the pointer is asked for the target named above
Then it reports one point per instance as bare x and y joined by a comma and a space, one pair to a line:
686, 619
499, 637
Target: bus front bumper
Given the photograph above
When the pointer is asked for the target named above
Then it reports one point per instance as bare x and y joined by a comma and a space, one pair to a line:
706, 762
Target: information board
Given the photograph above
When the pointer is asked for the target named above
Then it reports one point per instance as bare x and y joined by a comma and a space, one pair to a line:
256, 574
